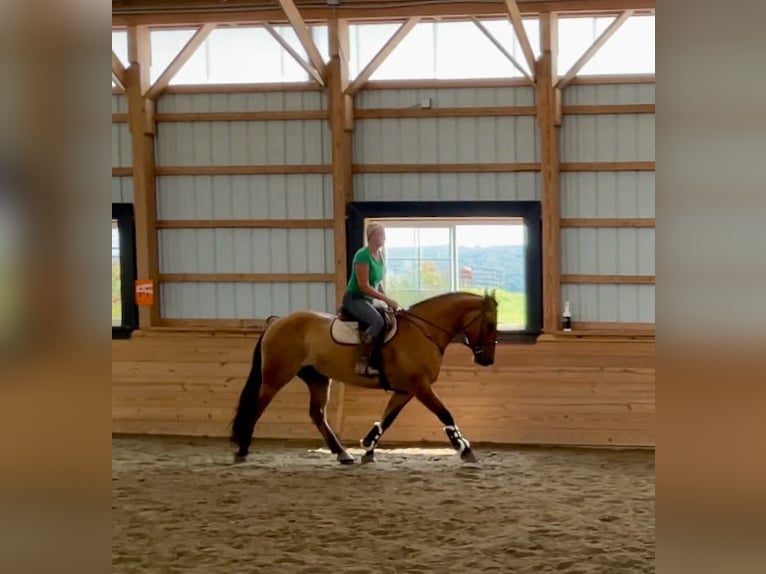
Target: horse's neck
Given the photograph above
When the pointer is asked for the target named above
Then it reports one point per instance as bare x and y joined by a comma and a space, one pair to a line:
447, 315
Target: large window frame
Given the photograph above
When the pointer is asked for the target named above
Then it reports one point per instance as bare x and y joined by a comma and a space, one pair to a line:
122, 213
357, 213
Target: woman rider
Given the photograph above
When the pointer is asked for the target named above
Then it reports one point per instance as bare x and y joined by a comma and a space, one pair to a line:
364, 286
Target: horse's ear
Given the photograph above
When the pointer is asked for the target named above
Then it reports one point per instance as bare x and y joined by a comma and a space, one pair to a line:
493, 293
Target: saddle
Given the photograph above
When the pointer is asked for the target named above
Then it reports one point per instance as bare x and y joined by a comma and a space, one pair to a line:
345, 328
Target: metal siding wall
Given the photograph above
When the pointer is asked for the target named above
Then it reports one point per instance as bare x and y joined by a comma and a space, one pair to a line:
122, 190
607, 251
605, 195
446, 140
246, 251
609, 94
288, 196
243, 300
119, 104
446, 98
617, 138
611, 303
243, 143
122, 152
255, 102
294, 196
447, 186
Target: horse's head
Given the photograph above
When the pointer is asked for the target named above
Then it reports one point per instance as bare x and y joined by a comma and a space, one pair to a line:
481, 330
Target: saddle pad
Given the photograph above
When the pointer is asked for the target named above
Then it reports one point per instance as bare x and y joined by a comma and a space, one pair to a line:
347, 332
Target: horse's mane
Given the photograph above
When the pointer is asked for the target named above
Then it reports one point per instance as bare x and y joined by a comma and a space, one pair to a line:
449, 295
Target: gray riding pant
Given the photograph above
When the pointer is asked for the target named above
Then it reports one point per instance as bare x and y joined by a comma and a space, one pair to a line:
366, 312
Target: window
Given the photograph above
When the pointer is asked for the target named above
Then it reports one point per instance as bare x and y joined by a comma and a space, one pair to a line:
120, 48
441, 50
124, 310
460, 246
236, 55
629, 51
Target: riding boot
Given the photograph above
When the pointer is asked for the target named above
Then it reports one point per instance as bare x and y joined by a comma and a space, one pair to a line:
363, 364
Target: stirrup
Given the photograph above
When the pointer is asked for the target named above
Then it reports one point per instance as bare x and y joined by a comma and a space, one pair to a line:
366, 370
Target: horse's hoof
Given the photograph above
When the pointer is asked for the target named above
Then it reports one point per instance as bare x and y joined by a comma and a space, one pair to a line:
468, 456
368, 458
239, 458
345, 458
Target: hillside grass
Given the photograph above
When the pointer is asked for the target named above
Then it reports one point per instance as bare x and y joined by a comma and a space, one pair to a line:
511, 307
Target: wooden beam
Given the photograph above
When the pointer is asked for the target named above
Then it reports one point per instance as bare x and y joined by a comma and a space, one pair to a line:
312, 71
609, 279
461, 112
118, 71
245, 224
445, 167
244, 88
142, 130
608, 166
434, 84
255, 116
247, 277
122, 171
304, 35
500, 47
380, 57
602, 109
607, 80
595, 47
514, 14
551, 191
242, 169
341, 106
178, 62
119, 118
250, 13
639, 223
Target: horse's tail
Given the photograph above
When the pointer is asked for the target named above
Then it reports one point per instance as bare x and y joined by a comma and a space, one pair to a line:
244, 420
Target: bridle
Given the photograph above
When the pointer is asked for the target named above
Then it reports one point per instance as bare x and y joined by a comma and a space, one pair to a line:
477, 349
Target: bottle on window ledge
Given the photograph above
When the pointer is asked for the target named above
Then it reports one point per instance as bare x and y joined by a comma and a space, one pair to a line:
567, 317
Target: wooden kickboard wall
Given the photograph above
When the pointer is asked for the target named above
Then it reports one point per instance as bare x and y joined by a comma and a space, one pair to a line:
558, 392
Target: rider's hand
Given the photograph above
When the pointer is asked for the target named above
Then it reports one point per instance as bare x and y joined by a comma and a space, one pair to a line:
393, 304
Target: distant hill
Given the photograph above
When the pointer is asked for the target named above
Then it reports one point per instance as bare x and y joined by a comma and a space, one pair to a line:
507, 262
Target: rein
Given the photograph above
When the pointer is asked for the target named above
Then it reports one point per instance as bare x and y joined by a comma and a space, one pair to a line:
450, 335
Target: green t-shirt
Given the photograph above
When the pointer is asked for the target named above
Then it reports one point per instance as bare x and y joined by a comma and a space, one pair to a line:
377, 271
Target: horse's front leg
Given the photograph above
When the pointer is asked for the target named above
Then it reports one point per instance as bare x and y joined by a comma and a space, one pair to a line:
426, 395
395, 405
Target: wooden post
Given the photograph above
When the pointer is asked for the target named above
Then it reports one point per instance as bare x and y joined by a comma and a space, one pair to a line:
142, 130
549, 121
340, 111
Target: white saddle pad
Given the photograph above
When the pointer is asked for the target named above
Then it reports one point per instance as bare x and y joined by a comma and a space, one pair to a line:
347, 332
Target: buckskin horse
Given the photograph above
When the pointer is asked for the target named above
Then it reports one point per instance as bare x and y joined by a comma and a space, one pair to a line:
313, 347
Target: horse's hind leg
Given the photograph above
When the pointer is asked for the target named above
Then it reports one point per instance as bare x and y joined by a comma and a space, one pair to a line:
319, 390
395, 405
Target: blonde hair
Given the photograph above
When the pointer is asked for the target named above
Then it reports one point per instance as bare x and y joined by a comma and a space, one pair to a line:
372, 228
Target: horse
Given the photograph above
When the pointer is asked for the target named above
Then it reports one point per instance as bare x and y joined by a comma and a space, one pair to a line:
302, 344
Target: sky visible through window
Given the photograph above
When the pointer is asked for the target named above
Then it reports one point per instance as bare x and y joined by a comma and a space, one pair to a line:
425, 258
432, 50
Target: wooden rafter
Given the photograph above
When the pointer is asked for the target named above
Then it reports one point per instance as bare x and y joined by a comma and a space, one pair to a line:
595, 47
312, 71
518, 25
304, 35
381, 56
179, 61
500, 47
118, 71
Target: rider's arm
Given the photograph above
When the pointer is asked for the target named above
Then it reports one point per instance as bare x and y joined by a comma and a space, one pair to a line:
363, 278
